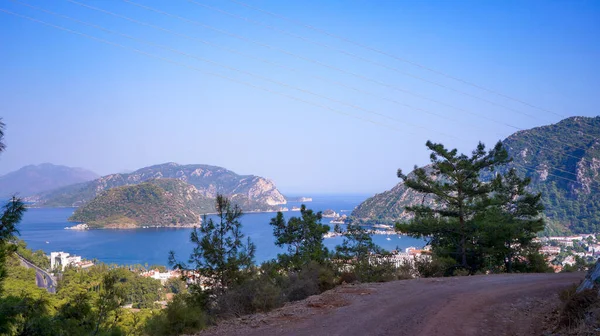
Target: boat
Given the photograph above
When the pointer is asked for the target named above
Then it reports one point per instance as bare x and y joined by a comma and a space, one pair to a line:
388, 238
47, 242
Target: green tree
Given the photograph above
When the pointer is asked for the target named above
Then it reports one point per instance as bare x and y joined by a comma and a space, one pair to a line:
303, 237
11, 215
454, 181
511, 220
108, 304
220, 255
357, 245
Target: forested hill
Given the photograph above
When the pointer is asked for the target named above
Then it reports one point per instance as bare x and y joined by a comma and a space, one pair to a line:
34, 179
249, 191
563, 161
160, 202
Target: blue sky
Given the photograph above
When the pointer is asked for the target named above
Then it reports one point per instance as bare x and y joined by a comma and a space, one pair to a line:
335, 123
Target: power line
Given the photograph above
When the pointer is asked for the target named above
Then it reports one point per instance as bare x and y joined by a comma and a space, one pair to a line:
285, 32
224, 77
404, 60
285, 67
200, 24
191, 67
296, 70
229, 68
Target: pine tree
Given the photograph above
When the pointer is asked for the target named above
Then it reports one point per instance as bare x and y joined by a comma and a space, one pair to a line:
303, 236
11, 215
455, 184
510, 221
220, 257
357, 245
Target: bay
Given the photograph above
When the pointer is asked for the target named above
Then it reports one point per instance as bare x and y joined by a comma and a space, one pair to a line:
43, 228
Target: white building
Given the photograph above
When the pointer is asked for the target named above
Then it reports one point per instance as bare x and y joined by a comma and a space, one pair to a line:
62, 260
163, 277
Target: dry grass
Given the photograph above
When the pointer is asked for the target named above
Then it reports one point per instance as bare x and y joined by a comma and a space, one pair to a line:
579, 314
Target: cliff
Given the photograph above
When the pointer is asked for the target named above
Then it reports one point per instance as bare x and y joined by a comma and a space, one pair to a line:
252, 193
563, 161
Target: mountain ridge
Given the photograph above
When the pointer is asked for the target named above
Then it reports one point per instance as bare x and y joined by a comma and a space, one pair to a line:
563, 161
33, 179
252, 193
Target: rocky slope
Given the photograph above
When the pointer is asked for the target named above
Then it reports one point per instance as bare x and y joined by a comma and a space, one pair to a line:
34, 179
563, 161
249, 191
160, 202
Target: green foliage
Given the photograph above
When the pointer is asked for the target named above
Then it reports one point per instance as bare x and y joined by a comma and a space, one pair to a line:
37, 258
480, 225
435, 266
303, 237
259, 293
357, 244
311, 279
176, 286
565, 176
12, 213
220, 255
161, 202
509, 222
206, 179
455, 184
181, 316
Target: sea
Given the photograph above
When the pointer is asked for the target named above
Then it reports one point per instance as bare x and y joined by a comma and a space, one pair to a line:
44, 228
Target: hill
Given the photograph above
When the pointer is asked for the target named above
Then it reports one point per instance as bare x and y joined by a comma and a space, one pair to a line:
34, 179
160, 202
252, 193
563, 161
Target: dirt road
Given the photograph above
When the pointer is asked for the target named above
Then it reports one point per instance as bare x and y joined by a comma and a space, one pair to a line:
477, 305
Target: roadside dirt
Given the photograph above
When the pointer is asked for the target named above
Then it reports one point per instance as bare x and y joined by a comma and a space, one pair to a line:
514, 304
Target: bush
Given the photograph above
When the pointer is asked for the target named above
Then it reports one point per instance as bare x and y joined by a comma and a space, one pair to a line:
434, 266
576, 306
254, 295
181, 316
533, 263
348, 277
375, 272
312, 279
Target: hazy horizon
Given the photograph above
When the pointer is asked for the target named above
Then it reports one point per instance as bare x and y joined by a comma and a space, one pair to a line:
74, 101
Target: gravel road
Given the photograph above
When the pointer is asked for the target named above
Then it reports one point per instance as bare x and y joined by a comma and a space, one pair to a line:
511, 304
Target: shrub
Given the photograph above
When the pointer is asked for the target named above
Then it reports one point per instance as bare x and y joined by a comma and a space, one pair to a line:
181, 316
312, 279
533, 263
375, 272
348, 277
254, 295
434, 266
576, 306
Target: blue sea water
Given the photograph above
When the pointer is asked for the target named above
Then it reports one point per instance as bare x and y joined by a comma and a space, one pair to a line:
43, 228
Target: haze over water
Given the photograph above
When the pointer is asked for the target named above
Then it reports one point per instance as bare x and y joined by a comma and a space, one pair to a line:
152, 245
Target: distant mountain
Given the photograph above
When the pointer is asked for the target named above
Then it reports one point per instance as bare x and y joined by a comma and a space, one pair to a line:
563, 161
160, 202
34, 179
252, 193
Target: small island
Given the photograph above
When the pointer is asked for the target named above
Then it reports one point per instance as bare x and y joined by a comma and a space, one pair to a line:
330, 214
299, 199
81, 227
157, 203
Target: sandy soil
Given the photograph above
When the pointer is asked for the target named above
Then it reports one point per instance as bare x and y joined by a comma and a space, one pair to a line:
490, 305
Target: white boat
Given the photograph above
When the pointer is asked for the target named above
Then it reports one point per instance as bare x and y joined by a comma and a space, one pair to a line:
388, 238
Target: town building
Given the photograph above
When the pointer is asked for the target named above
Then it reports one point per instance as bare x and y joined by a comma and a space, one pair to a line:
60, 260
